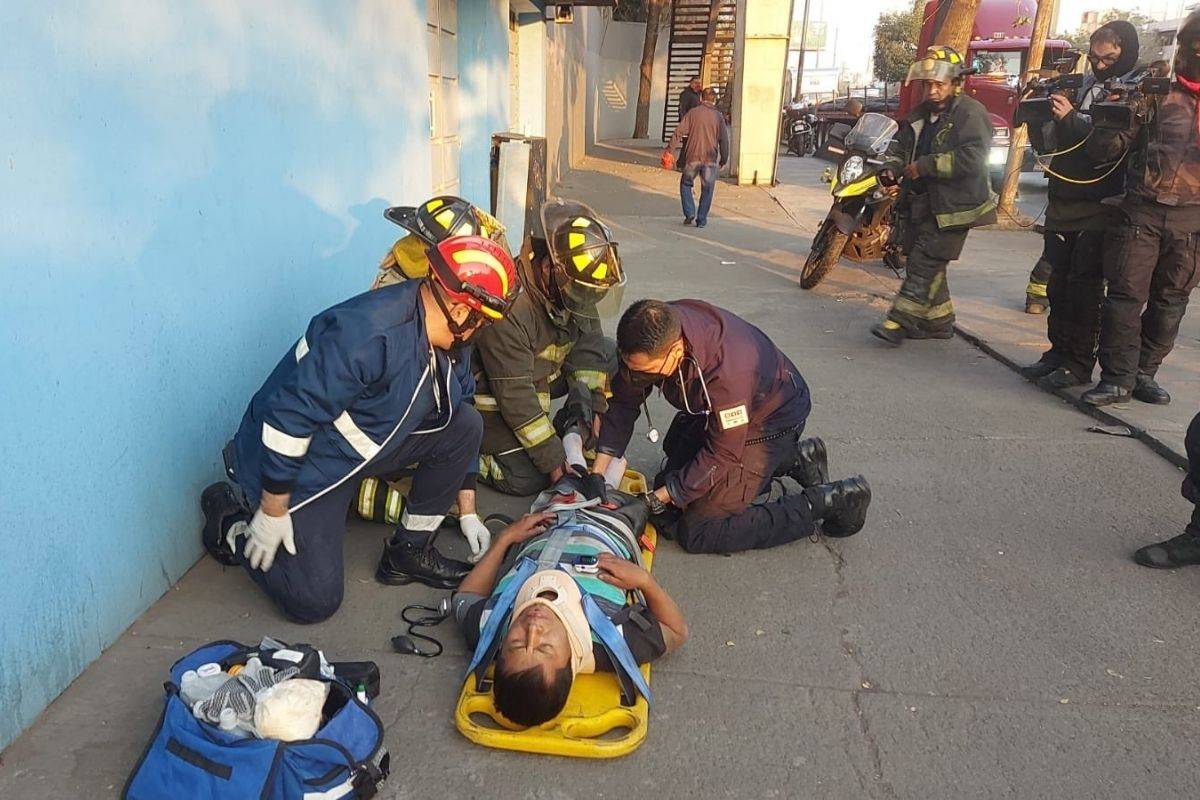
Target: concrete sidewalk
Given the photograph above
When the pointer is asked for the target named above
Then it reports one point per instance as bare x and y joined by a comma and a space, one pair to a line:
988, 287
966, 644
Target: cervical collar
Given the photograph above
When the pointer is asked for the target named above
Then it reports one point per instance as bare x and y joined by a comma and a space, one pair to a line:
566, 603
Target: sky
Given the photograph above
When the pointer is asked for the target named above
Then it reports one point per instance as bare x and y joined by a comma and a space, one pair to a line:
851, 23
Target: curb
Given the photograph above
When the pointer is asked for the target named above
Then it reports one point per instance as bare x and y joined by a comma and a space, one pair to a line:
1145, 437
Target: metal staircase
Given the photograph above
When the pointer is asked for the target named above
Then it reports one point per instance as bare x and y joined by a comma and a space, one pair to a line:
695, 24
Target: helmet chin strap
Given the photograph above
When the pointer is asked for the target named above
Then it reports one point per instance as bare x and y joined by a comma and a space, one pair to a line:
456, 329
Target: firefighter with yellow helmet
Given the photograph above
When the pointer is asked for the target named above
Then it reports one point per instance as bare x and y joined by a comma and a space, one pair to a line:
941, 151
554, 347
426, 225
550, 346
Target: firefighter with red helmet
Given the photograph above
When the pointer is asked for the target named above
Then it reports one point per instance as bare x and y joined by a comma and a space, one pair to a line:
377, 384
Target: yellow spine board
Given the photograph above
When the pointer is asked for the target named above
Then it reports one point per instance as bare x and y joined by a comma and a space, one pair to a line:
591, 723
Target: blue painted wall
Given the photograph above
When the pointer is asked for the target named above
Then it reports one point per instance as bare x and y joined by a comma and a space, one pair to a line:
484, 91
182, 185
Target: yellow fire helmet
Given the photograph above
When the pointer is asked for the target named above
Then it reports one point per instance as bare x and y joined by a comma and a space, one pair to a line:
434, 221
587, 269
940, 63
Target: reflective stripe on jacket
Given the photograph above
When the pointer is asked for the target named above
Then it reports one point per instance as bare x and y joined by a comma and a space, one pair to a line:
956, 169
519, 357
360, 380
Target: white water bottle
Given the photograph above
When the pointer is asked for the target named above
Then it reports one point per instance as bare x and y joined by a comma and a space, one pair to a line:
199, 684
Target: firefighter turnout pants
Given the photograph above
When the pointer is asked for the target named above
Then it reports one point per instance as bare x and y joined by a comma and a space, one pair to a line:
728, 519
1150, 261
1075, 288
923, 305
512, 473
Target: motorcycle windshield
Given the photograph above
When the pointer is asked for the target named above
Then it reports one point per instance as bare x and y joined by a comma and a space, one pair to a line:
872, 133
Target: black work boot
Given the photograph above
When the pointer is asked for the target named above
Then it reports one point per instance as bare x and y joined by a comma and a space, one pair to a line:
812, 463
1037, 370
945, 332
890, 331
1148, 391
1105, 393
840, 507
1036, 305
1182, 551
221, 509
410, 556
1061, 378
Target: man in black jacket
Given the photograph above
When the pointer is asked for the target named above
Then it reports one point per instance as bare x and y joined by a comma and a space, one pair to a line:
1150, 257
941, 150
1076, 217
689, 98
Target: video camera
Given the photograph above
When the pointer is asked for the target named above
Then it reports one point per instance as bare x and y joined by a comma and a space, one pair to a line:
1131, 101
1034, 107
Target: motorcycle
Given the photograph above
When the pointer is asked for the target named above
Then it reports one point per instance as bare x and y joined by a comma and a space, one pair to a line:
801, 135
859, 222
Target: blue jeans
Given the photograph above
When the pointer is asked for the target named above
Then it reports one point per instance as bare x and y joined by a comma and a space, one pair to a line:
708, 182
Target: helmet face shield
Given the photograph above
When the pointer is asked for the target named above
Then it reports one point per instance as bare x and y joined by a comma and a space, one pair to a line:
931, 69
586, 267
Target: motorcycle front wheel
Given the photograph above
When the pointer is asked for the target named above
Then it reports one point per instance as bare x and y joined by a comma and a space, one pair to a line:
826, 250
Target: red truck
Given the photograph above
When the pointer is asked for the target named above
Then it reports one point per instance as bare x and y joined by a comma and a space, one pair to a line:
999, 52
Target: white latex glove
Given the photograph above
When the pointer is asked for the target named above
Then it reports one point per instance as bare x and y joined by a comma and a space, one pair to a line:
265, 535
476, 533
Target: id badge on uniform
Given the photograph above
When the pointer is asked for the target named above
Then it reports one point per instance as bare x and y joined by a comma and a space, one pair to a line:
733, 417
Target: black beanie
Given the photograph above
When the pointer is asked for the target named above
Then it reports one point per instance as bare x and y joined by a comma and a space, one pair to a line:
1129, 49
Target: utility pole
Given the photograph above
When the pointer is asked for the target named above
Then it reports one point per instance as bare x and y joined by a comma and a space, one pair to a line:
800, 67
1019, 137
953, 22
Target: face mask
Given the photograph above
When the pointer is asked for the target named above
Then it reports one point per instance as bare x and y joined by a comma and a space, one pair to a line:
641, 380
644, 379
565, 603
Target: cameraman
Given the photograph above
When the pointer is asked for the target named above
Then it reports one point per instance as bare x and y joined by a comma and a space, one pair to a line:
1075, 217
1150, 256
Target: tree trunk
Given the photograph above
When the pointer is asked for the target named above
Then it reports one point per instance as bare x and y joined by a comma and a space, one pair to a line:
955, 28
654, 14
1016, 147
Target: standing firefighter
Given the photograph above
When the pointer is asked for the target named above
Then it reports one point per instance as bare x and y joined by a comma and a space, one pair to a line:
549, 346
941, 150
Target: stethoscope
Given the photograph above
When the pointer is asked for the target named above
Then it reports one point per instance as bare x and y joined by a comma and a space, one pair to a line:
652, 435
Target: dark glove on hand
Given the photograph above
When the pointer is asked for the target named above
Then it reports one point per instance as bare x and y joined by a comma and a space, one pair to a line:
592, 485
571, 416
655, 505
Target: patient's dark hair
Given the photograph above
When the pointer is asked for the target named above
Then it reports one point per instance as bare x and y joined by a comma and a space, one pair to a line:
526, 698
648, 327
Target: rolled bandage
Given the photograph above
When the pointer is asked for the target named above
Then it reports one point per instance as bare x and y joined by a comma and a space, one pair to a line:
615, 471
573, 445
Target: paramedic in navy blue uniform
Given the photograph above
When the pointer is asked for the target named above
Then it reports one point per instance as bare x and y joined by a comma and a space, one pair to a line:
742, 408
377, 384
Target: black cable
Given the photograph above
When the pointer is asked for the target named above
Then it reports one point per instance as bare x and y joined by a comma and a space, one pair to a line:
431, 617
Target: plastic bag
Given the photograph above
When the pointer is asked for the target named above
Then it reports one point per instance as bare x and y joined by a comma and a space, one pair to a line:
291, 710
668, 160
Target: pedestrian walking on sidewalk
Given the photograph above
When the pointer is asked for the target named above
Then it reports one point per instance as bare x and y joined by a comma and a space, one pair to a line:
1150, 258
689, 98
707, 136
941, 150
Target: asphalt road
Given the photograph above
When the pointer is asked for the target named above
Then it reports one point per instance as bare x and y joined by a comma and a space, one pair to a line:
985, 636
